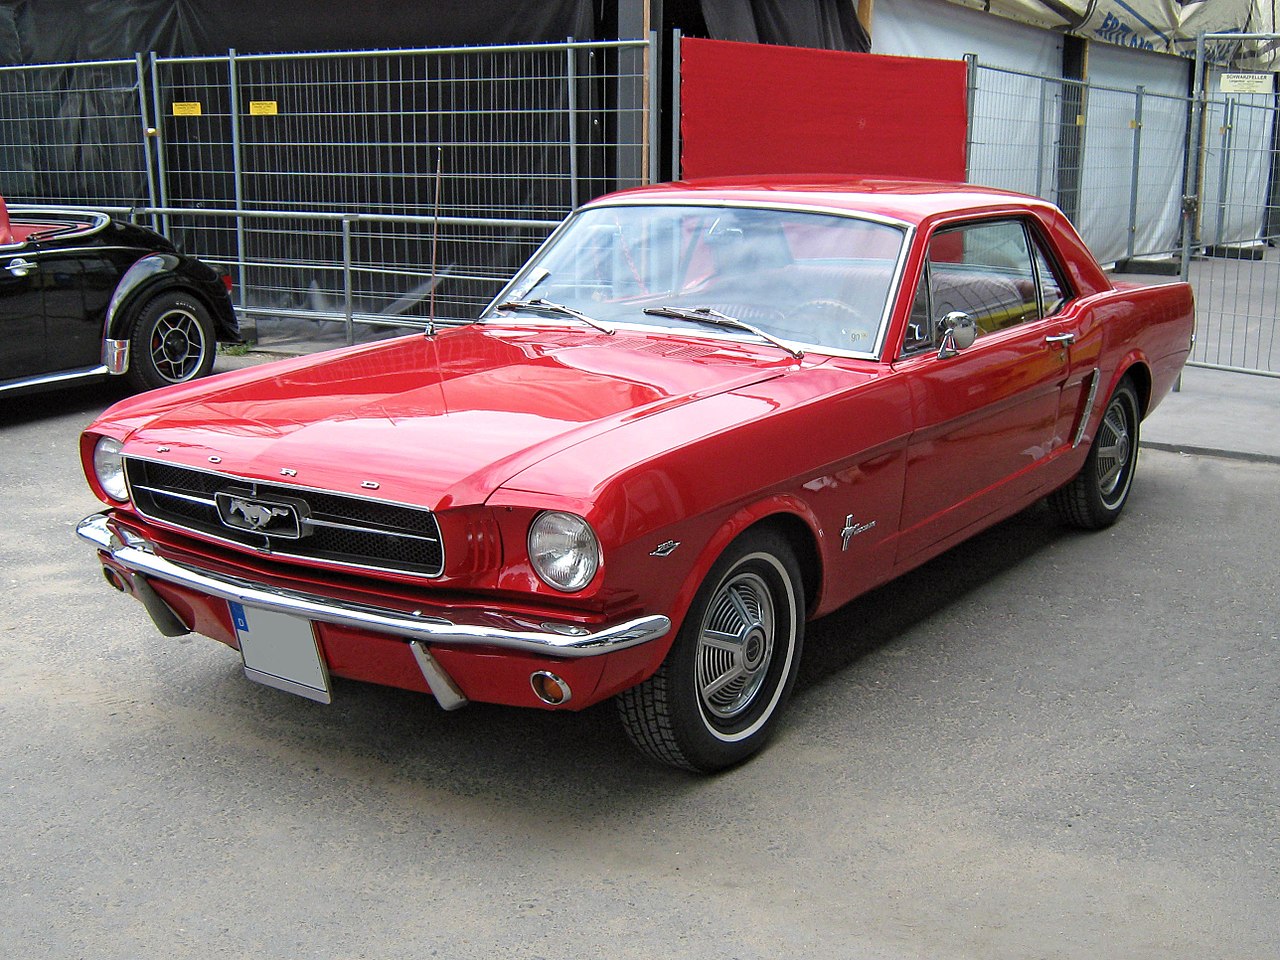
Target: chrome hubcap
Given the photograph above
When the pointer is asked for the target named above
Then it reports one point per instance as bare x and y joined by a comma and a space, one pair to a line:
735, 646
1115, 450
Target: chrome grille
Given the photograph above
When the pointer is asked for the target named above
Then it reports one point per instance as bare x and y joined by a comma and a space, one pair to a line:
340, 529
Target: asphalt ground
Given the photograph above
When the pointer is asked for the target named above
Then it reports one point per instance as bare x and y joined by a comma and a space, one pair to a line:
1042, 744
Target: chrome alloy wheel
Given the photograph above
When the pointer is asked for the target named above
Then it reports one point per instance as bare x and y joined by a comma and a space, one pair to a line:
177, 345
735, 647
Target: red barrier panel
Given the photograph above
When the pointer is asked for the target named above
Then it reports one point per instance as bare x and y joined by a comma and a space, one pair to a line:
752, 108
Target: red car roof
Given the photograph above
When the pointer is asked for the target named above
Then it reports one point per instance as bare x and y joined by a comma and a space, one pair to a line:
908, 200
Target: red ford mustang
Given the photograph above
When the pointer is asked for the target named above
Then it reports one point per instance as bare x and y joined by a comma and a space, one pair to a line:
703, 414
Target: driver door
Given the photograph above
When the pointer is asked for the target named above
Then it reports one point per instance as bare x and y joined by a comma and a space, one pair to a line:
984, 417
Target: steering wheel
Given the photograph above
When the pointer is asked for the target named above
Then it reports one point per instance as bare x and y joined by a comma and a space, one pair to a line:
831, 322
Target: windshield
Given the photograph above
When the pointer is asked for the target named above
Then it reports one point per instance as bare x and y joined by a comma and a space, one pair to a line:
815, 279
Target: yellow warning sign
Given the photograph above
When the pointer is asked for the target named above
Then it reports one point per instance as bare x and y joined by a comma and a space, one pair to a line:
186, 109
263, 108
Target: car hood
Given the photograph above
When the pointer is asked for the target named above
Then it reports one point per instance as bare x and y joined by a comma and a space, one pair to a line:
435, 421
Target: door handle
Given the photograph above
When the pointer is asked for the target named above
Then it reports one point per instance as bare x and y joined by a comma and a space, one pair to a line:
19, 267
1060, 339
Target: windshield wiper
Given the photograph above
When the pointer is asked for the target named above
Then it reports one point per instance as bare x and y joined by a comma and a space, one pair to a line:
559, 309
718, 319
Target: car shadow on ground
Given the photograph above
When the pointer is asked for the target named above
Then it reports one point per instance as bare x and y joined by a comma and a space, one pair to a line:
876, 619
539, 760
88, 399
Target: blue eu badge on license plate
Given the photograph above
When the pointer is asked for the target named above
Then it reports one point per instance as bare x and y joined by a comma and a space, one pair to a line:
281, 651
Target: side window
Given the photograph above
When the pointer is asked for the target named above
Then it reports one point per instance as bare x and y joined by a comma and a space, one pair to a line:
986, 271
995, 271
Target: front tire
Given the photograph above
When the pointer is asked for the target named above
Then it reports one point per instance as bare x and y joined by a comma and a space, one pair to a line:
717, 697
1096, 496
172, 341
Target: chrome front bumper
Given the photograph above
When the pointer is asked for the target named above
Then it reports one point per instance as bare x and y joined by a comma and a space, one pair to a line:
136, 554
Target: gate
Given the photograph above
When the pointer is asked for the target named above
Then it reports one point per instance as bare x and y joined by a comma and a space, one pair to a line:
1229, 253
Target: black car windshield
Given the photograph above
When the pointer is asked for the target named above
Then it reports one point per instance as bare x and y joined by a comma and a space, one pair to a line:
813, 279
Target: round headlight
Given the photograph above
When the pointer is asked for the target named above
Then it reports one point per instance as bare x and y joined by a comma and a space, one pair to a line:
564, 550
108, 466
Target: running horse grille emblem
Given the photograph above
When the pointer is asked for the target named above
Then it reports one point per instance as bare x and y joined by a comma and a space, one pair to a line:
273, 518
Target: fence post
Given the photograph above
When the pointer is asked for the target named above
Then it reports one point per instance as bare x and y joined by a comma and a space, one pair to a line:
971, 96
1191, 162
1224, 163
1133, 179
148, 134
348, 297
652, 107
162, 168
237, 178
675, 105
571, 78
1040, 131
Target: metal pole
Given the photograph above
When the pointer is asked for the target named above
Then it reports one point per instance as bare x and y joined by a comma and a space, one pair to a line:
971, 95
675, 105
237, 175
1040, 131
1191, 192
571, 78
1137, 159
348, 307
148, 132
1224, 164
652, 107
161, 167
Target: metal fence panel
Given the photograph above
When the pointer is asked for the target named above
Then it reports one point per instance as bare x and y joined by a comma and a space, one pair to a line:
75, 133
1111, 158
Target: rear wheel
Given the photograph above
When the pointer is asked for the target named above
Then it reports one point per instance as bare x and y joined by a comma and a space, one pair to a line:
1096, 496
172, 341
716, 698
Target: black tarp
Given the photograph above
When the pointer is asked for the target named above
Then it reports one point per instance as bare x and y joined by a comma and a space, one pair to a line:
59, 31
821, 24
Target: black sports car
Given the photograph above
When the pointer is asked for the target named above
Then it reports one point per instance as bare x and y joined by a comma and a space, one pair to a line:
84, 296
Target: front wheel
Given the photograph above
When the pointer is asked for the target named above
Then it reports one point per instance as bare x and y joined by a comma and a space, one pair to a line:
172, 341
1096, 496
716, 698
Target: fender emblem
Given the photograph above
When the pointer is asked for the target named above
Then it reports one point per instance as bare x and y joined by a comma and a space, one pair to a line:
665, 549
851, 530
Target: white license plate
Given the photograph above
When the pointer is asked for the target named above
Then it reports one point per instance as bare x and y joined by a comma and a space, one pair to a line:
281, 651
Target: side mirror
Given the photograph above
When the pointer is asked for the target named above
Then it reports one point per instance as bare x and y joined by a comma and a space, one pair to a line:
959, 330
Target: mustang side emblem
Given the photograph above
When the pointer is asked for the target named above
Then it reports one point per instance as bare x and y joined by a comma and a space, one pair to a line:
276, 518
851, 530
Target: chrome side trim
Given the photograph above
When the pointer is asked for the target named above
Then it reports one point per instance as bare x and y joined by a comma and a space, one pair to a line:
138, 557
63, 376
1088, 408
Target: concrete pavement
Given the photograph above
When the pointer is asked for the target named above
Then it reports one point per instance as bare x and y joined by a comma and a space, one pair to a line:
1221, 414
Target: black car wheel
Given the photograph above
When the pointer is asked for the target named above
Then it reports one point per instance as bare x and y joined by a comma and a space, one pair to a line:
1096, 496
172, 342
717, 697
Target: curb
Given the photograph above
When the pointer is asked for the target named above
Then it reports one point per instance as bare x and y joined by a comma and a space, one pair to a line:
1193, 451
